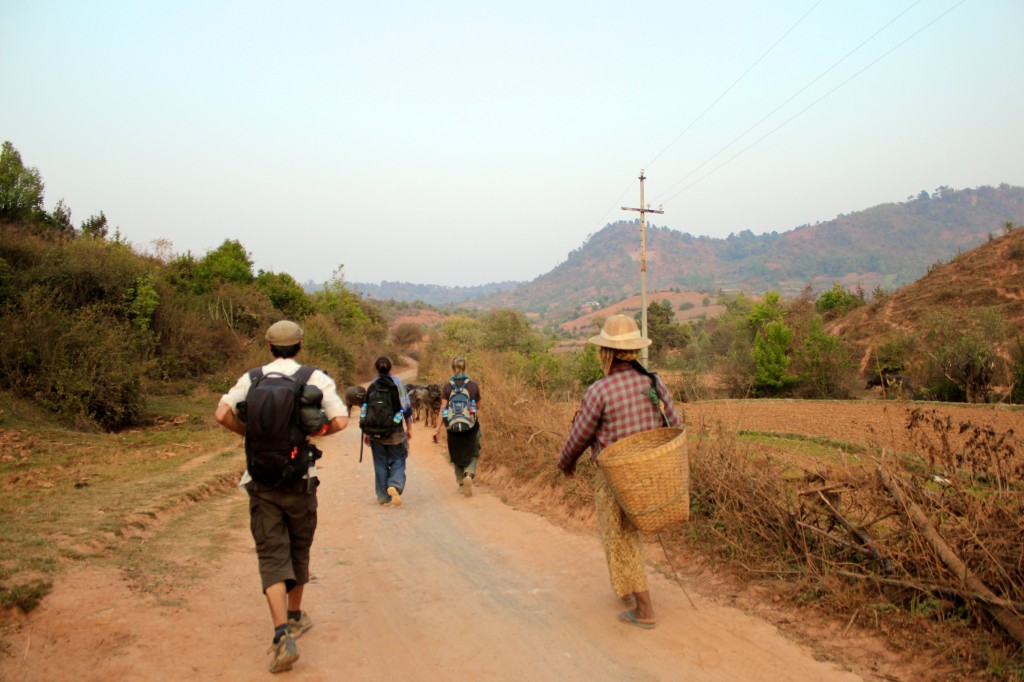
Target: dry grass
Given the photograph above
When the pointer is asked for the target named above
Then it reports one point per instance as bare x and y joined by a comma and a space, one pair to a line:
810, 519
71, 496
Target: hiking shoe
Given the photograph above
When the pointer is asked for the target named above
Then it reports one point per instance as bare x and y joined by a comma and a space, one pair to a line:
301, 626
284, 653
396, 499
467, 485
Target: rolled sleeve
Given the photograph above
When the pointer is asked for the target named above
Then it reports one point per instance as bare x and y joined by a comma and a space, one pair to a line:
332, 404
237, 393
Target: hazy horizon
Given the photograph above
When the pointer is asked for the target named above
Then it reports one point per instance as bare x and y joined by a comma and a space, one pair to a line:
457, 144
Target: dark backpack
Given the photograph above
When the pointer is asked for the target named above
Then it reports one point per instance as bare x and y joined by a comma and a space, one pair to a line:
377, 418
276, 449
461, 413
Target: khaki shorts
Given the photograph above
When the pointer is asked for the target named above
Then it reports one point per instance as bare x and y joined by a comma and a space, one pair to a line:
282, 521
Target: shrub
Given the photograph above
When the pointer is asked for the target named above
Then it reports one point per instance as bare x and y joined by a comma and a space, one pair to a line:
285, 294
85, 365
1017, 372
824, 364
770, 358
407, 334
837, 301
329, 348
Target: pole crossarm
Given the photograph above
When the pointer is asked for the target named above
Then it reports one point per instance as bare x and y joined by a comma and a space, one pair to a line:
643, 262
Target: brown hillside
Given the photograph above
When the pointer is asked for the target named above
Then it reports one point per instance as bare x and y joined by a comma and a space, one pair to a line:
990, 275
587, 322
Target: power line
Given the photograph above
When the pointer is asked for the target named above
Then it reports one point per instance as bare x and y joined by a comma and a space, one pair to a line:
709, 107
790, 98
773, 130
735, 83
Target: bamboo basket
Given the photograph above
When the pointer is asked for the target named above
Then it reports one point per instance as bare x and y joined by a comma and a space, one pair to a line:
649, 472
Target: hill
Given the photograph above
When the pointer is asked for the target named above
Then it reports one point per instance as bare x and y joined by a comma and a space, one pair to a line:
431, 294
990, 276
886, 246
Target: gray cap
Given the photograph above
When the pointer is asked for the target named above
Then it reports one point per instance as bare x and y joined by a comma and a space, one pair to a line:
284, 333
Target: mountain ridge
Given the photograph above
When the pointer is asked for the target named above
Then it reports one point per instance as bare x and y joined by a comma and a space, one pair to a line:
886, 246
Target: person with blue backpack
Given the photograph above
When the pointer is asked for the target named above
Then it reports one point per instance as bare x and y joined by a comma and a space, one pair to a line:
460, 400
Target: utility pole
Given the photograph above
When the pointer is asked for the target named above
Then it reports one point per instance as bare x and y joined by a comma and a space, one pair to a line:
643, 210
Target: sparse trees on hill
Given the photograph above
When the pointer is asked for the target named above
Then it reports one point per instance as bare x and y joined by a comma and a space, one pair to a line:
21, 188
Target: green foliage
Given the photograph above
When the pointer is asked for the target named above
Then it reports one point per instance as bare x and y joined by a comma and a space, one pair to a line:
765, 312
87, 318
894, 353
329, 348
771, 359
507, 329
583, 365
26, 596
21, 188
229, 262
824, 364
95, 226
347, 310
286, 295
962, 353
82, 363
837, 301
666, 335
143, 300
59, 220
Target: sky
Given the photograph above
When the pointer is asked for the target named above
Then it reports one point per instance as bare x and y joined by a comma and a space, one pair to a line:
462, 143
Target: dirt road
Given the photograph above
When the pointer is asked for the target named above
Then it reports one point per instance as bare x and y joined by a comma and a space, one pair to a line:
441, 588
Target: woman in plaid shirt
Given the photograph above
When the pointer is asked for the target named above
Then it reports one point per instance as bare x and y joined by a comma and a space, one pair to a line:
616, 406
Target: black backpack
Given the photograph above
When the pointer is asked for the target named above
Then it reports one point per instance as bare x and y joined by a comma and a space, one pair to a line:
276, 449
377, 418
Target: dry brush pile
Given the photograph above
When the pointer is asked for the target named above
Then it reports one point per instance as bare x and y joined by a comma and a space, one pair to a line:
926, 547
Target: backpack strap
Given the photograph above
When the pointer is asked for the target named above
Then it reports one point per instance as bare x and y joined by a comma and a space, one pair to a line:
303, 373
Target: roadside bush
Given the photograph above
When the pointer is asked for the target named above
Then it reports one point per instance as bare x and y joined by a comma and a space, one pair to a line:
330, 349
285, 294
407, 334
188, 342
85, 365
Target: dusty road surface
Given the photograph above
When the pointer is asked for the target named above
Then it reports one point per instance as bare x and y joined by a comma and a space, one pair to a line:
441, 588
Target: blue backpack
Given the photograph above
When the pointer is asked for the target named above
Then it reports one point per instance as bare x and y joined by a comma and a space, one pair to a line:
461, 415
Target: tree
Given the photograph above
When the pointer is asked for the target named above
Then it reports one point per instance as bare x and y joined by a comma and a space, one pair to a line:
407, 334
838, 301
285, 294
60, 220
766, 311
824, 363
21, 188
229, 262
662, 329
95, 226
508, 329
964, 353
770, 357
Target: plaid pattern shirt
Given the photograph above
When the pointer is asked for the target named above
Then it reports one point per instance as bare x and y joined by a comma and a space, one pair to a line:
614, 407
